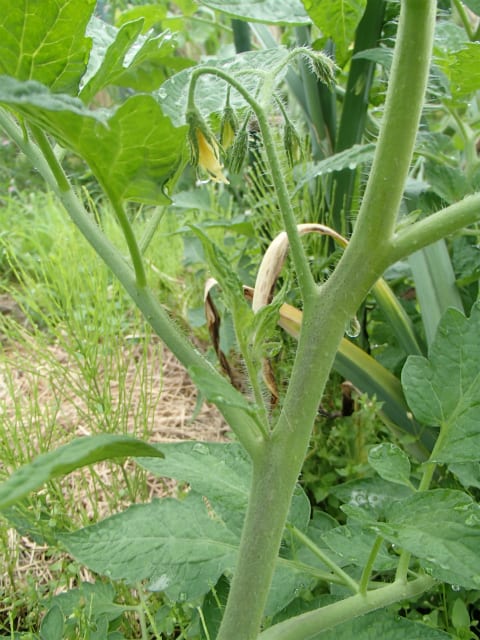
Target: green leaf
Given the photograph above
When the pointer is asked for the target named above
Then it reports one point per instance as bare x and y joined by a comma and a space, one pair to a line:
460, 615
338, 20
98, 597
445, 389
450, 183
125, 58
468, 473
219, 471
391, 463
222, 473
213, 607
463, 70
353, 544
61, 461
45, 41
290, 578
133, 148
384, 625
372, 495
441, 527
152, 14
52, 624
180, 547
473, 5
269, 11
211, 92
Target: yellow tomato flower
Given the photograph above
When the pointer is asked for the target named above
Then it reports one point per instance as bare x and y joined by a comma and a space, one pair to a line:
208, 157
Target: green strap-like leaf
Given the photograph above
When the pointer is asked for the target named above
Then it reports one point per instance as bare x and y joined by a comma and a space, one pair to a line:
434, 284
61, 461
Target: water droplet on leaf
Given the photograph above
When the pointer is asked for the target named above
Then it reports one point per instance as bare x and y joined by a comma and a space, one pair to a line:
353, 328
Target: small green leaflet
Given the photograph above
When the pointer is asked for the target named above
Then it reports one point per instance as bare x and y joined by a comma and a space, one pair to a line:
45, 41
370, 496
52, 626
353, 544
445, 389
391, 463
268, 11
467, 472
61, 461
464, 70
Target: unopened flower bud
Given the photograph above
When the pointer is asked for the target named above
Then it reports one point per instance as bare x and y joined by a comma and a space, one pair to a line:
322, 66
228, 127
238, 151
291, 142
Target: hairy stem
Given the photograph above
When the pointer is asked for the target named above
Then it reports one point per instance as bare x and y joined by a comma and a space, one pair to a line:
309, 624
367, 570
324, 317
131, 240
435, 227
347, 580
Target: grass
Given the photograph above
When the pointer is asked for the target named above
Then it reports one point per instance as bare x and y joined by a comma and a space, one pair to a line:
75, 359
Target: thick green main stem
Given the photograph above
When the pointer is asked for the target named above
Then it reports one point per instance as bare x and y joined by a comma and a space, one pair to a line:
325, 313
